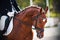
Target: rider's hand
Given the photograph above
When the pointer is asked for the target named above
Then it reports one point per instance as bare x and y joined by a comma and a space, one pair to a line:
10, 14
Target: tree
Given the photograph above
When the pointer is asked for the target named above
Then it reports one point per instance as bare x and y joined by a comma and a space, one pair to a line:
41, 3
23, 3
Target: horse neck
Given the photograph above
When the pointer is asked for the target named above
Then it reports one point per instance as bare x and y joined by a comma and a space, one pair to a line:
26, 15
24, 18
30, 11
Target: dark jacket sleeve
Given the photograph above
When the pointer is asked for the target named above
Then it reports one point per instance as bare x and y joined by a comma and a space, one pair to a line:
15, 5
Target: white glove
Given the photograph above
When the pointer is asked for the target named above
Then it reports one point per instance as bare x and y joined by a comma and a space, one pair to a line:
17, 12
10, 14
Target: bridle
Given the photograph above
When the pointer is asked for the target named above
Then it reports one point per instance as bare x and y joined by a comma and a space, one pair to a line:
36, 28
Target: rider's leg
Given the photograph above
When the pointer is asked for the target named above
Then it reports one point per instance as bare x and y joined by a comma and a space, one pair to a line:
4, 23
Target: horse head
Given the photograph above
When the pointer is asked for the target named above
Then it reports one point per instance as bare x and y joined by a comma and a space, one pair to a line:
40, 22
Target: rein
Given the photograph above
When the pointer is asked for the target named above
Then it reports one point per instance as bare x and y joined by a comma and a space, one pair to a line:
36, 28
21, 22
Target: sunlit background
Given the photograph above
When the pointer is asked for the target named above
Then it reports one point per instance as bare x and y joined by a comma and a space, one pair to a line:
53, 17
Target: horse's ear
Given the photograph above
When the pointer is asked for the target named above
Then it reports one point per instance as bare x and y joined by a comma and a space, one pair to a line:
41, 10
46, 9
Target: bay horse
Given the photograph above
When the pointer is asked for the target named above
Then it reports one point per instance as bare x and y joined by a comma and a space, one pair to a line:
23, 21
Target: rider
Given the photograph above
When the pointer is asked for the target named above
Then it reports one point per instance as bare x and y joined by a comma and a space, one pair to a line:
6, 7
